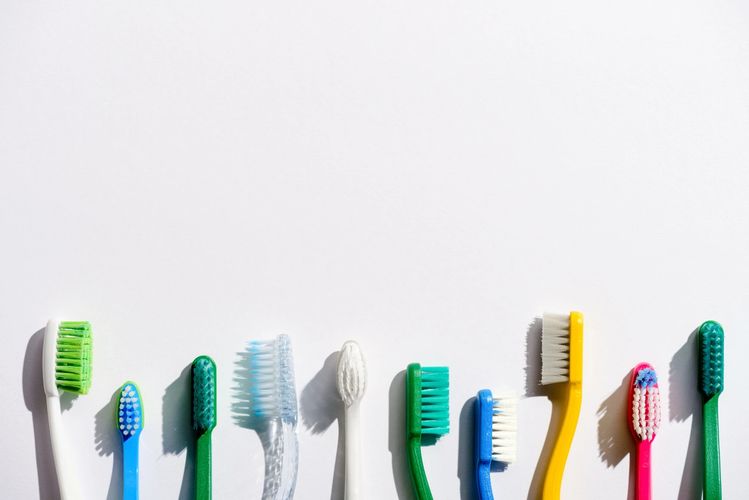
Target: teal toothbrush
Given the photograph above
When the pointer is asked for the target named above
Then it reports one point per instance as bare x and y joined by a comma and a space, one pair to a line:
130, 425
711, 386
203, 421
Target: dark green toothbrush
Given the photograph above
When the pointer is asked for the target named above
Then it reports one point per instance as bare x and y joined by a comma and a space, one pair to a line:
711, 385
203, 421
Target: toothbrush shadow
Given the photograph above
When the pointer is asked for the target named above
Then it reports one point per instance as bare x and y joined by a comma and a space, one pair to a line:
177, 430
685, 401
107, 442
320, 406
33, 397
614, 439
397, 437
466, 466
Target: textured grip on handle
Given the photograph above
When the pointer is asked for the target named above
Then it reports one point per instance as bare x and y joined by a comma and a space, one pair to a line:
571, 408
416, 466
203, 467
130, 469
643, 490
66, 479
712, 449
352, 457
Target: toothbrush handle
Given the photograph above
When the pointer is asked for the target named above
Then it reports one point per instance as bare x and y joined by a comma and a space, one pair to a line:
483, 481
643, 490
571, 407
416, 466
352, 450
712, 449
203, 467
130, 469
66, 478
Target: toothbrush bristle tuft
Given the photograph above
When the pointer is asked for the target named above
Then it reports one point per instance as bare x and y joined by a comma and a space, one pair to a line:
203, 394
271, 375
646, 405
555, 348
711, 358
504, 429
352, 374
74, 353
130, 411
435, 400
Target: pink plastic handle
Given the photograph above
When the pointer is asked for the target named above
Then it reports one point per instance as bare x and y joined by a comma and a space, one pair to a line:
643, 490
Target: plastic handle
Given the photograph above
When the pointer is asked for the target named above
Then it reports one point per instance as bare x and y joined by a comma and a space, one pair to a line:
712, 449
130, 468
203, 467
66, 477
353, 456
416, 465
571, 408
483, 481
643, 490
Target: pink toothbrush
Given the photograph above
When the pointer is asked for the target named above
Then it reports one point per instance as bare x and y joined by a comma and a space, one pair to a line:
644, 420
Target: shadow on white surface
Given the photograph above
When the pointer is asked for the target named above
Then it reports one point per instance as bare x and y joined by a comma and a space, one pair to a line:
397, 437
466, 465
614, 439
685, 402
177, 434
320, 406
107, 442
33, 397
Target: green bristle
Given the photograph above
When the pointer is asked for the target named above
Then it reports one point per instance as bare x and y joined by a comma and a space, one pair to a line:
711, 358
73, 363
435, 399
203, 394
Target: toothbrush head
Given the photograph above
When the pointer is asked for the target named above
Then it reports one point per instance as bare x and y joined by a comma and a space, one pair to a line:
427, 400
67, 357
271, 374
562, 348
352, 374
203, 394
496, 428
711, 359
130, 412
644, 403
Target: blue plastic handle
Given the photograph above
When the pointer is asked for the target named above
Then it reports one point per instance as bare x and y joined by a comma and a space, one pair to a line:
483, 446
130, 468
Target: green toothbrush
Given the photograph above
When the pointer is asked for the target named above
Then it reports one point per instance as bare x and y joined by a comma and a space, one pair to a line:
711, 385
427, 415
203, 421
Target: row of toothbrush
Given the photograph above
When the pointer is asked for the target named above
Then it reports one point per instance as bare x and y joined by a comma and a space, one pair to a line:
271, 409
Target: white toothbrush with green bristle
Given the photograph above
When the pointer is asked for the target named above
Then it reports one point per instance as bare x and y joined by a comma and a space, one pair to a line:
66, 367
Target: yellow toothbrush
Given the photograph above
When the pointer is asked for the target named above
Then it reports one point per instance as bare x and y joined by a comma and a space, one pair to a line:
562, 363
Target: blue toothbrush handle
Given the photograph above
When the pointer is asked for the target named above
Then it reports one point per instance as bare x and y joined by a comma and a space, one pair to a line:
483, 481
130, 469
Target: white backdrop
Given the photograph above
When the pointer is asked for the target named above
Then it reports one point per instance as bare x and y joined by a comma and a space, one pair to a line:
425, 177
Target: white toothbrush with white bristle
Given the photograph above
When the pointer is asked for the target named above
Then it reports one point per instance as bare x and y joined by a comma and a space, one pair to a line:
352, 384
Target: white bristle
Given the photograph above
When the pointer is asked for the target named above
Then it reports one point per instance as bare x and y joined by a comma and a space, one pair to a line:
646, 412
351, 377
504, 428
555, 348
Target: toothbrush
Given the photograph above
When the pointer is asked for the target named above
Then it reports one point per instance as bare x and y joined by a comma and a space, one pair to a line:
66, 367
130, 424
352, 384
711, 386
562, 363
203, 421
427, 414
273, 413
496, 437
644, 421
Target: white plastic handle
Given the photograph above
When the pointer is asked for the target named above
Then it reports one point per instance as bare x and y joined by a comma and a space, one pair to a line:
352, 449
66, 477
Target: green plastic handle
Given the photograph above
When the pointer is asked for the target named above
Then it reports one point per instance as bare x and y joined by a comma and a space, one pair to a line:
203, 467
416, 465
710, 435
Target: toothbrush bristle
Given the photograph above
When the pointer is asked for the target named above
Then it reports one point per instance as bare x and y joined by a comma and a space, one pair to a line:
73, 361
435, 400
555, 348
352, 374
504, 429
646, 405
711, 358
271, 374
203, 394
130, 411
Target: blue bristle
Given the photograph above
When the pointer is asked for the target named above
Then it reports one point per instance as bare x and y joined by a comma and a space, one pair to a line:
646, 378
130, 411
272, 389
